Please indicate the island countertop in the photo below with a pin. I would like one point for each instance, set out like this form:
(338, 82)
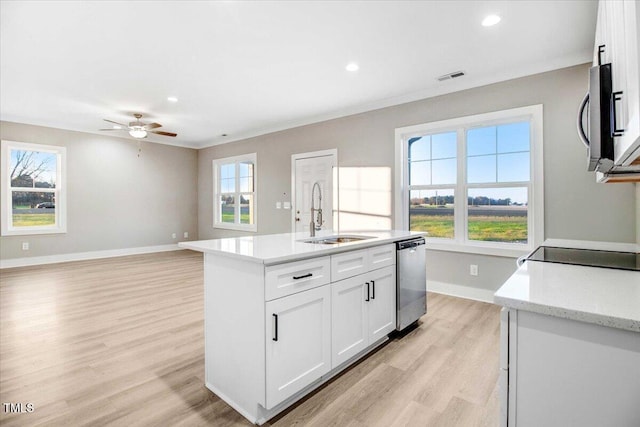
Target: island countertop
(278, 248)
(597, 295)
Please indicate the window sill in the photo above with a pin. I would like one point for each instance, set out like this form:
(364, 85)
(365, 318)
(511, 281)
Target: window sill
(505, 250)
(33, 231)
(237, 227)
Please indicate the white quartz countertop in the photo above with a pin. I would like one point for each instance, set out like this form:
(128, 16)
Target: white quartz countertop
(277, 248)
(597, 295)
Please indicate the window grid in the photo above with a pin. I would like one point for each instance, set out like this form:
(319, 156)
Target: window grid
(462, 187)
(33, 169)
(235, 182)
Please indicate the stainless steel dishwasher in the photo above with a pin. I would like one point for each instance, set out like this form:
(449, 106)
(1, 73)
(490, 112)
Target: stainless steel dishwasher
(411, 275)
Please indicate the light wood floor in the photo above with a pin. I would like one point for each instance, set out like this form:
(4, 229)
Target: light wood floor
(120, 342)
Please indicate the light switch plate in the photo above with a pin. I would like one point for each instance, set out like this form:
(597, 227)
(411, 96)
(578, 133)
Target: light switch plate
(278, 205)
(287, 205)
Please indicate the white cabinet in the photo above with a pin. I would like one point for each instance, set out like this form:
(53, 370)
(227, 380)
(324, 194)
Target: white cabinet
(298, 342)
(363, 312)
(286, 279)
(562, 372)
(352, 263)
(382, 306)
(381, 256)
(349, 327)
(275, 332)
(349, 264)
(363, 293)
(617, 30)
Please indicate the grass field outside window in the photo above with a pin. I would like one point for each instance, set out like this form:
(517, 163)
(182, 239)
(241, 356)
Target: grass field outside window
(474, 183)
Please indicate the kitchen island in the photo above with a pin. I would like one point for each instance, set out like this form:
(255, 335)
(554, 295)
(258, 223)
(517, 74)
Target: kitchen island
(570, 347)
(286, 312)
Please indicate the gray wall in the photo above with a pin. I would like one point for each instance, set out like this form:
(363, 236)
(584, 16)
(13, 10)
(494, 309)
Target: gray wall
(638, 213)
(575, 206)
(115, 199)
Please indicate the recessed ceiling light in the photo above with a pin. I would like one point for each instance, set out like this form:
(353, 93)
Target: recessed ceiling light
(352, 67)
(172, 99)
(490, 20)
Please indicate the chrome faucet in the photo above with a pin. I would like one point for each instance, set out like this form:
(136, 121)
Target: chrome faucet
(313, 226)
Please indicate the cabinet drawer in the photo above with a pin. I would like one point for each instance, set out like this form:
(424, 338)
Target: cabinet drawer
(349, 264)
(292, 277)
(382, 256)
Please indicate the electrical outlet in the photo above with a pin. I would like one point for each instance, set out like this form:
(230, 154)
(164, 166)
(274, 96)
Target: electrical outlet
(186, 234)
(25, 246)
(174, 235)
(473, 269)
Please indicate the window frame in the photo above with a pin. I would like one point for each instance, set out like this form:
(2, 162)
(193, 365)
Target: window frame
(535, 185)
(217, 217)
(6, 216)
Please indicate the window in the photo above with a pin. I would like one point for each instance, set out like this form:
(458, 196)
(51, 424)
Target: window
(474, 184)
(33, 189)
(234, 180)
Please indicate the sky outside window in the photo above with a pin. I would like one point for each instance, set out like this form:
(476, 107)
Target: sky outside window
(498, 153)
(40, 167)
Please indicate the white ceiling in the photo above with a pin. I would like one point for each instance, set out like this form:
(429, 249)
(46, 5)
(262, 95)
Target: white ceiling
(249, 68)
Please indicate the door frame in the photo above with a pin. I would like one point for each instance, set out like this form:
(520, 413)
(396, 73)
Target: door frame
(333, 152)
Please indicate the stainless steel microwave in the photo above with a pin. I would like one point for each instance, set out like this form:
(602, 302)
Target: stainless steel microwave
(600, 129)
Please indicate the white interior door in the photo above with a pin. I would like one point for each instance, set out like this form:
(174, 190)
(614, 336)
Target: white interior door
(307, 171)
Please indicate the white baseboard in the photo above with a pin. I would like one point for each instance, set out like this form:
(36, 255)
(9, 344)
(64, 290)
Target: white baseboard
(83, 256)
(477, 294)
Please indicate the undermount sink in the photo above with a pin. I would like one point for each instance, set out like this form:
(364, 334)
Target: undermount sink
(332, 240)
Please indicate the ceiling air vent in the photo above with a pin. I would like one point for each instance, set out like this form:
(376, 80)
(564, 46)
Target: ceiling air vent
(451, 76)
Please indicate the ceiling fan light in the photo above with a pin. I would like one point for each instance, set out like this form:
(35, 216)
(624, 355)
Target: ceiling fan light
(138, 132)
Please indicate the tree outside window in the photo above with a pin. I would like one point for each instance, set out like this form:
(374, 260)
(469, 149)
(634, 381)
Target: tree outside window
(32, 190)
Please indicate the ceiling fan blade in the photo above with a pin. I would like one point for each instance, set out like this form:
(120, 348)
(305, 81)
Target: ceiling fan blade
(111, 129)
(119, 124)
(153, 126)
(159, 132)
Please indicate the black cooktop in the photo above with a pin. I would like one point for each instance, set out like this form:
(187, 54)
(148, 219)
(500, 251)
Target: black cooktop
(587, 257)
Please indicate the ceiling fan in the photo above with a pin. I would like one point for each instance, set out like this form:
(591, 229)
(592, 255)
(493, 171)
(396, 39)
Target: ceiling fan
(138, 129)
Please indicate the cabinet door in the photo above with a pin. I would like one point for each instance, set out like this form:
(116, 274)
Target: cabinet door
(382, 304)
(348, 319)
(601, 36)
(298, 342)
(617, 30)
(627, 64)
